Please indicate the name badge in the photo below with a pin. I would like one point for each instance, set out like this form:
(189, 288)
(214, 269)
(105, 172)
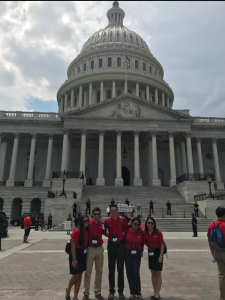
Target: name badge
(85, 250)
(133, 250)
(103, 227)
(94, 240)
(114, 238)
(150, 252)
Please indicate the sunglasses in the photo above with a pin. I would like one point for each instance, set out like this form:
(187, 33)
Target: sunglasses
(96, 214)
(150, 223)
(113, 210)
(85, 221)
(136, 224)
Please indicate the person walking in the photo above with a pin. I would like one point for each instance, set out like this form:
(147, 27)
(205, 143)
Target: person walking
(168, 204)
(1, 225)
(194, 225)
(49, 221)
(95, 255)
(151, 206)
(70, 220)
(139, 211)
(132, 210)
(134, 243)
(77, 256)
(127, 202)
(75, 209)
(88, 206)
(115, 226)
(155, 243)
(27, 225)
(218, 254)
(37, 220)
(196, 206)
(112, 201)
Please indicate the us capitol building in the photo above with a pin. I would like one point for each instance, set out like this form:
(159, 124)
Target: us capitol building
(108, 131)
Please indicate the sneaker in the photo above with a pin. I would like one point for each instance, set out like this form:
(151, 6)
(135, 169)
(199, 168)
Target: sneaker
(121, 296)
(86, 297)
(111, 296)
(99, 296)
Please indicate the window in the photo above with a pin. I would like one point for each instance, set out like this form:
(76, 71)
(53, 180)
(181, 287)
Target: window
(155, 72)
(118, 62)
(131, 37)
(109, 62)
(104, 36)
(118, 34)
(137, 40)
(78, 69)
(85, 67)
(125, 35)
(100, 63)
(136, 64)
(92, 64)
(82, 100)
(150, 69)
(76, 101)
(98, 96)
(129, 92)
(109, 94)
(140, 94)
(118, 92)
(144, 67)
(115, 17)
(145, 96)
(111, 35)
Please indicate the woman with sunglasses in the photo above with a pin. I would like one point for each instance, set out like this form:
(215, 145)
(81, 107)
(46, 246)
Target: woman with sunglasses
(155, 243)
(134, 242)
(77, 257)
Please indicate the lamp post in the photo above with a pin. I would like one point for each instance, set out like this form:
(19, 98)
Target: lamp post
(64, 174)
(209, 179)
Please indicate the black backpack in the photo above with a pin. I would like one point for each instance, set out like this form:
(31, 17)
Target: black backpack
(216, 238)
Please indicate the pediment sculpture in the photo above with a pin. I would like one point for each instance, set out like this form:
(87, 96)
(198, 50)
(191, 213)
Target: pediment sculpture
(126, 110)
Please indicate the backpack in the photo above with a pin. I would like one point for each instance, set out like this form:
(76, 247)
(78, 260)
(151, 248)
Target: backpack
(216, 239)
(121, 219)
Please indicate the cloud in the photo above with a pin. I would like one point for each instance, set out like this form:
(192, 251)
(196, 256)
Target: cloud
(39, 40)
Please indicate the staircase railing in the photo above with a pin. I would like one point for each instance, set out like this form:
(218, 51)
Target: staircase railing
(69, 174)
(193, 177)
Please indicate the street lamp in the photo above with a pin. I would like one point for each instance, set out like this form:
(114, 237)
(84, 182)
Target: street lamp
(209, 179)
(64, 173)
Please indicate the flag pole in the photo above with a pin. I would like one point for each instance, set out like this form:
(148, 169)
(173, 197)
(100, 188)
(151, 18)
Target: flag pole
(126, 73)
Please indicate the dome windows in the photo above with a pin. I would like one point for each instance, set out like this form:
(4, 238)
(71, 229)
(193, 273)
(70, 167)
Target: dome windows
(129, 92)
(144, 67)
(109, 62)
(137, 40)
(131, 37)
(150, 69)
(85, 67)
(98, 96)
(125, 35)
(118, 62)
(76, 101)
(104, 36)
(109, 94)
(78, 69)
(92, 65)
(115, 17)
(136, 64)
(111, 35)
(118, 34)
(100, 63)
(118, 93)
(82, 100)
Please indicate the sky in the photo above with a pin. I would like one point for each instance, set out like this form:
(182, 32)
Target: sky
(38, 40)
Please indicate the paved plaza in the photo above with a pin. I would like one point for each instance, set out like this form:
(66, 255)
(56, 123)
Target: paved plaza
(39, 270)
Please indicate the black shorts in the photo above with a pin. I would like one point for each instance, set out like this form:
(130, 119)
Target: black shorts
(27, 231)
(153, 261)
(81, 260)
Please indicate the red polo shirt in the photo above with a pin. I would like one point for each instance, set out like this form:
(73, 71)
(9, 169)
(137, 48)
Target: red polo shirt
(222, 227)
(154, 240)
(95, 230)
(27, 222)
(76, 235)
(134, 239)
(115, 227)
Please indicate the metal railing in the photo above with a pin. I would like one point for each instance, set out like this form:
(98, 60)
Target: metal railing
(2, 183)
(31, 115)
(58, 174)
(219, 197)
(18, 183)
(193, 177)
(200, 197)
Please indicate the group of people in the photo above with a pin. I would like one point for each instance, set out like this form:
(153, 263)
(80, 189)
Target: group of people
(125, 245)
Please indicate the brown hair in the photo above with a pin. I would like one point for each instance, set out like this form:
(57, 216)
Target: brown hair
(155, 230)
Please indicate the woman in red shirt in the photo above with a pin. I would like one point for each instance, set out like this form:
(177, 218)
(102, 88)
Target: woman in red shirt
(155, 243)
(134, 243)
(77, 257)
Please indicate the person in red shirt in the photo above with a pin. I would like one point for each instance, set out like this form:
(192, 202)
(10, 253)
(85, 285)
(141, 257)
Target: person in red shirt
(219, 255)
(95, 254)
(134, 243)
(116, 227)
(27, 224)
(77, 257)
(155, 243)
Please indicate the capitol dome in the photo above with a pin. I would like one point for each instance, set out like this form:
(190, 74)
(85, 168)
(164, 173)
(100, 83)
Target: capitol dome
(98, 72)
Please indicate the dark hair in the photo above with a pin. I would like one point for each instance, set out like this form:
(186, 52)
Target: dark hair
(113, 205)
(220, 211)
(149, 216)
(135, 219)
(192, 215)
(96, 209)
(81, 228)
(155, 230)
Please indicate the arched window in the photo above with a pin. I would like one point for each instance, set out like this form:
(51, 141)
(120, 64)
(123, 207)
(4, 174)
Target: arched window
(118, 34)
(109, 94)
(100, 63)
(118, 92)
(78, 69)
(136, 64)
(144, 67)
(85, 67)
(115, 17)
(150, 69)
(109, 62)
(131, 37)
(111, 35)
(137, 40)
(98, 96)
(92, 64)
(125, 35)
(82, 100)
(118, 62)
(129, 92)
(76, 101)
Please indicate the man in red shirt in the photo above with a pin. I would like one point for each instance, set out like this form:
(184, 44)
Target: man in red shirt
(219, 255)
(27, 224)
(116, 226)
(95, 254)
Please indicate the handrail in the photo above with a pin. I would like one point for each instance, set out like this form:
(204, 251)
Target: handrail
(193, 177)
(69, 174)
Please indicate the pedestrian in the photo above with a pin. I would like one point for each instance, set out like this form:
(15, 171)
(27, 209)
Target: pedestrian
(127, 202)
(132, 210)
(218, 254)
(88, 206)
(194, 225)
(139, 211)
(27, 225)
(196, 206)
(124, 215)
(108, 210)
(70, 220)
(77, 256)
(155, 243)
(116, 225)
(1, 225)
(168, 204)
(77, 219)
(95, 255)
(49, 221)
(151, 206)
(120, 205)
(75, 209)
(112, 201)
(37, 220)
(134, 243)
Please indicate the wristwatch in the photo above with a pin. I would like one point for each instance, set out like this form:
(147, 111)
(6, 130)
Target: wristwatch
(161, 256)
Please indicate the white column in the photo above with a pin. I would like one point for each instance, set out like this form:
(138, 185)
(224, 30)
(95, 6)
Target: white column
(83, 151)
(101, 179)
(101, 91)
(168, 102)
(147, 92)
(163, 99)
(155, 176)
(29, 181)
(150, 159)
(137, 179)
(10, 181)
(80, 96)
(216, 160)
(172, 181)
(178, 159)
(156, 96)
(72, 98)
(189, 153)
(113, 89)
(64, 149)
(66, 99)
(119, 179)
(183, 156)
(137, 89)
(47, 181)
(61, 105)
(1, 136)
(199, 152)
(90, 93)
